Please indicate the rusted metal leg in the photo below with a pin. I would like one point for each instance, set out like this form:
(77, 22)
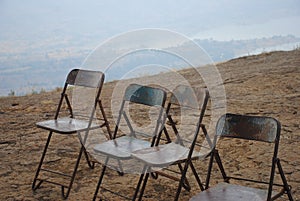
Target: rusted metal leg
(66, 194)
(197, 177)
(34, 187)
(90, 163)
(186, 185)
(221, 167)
(100, 179)
(144, 184)
(287, 188)
(139, 183)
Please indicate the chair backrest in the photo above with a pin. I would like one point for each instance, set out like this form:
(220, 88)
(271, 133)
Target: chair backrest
(87, 86)
(187, 96)
(87, 78)
(266, 129)
(147, 97)
(246, 127)
(193, 102)
(190, 97)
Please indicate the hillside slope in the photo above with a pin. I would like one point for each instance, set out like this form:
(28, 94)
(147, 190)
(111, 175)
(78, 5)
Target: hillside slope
(265, 84)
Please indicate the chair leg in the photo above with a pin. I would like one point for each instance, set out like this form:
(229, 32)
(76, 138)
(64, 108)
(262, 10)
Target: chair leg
(210, 164)
(82, 141)
(100, 179)
(197, 177)
(139, 183)
(285, 184)
(138, 187)
(144, 186)
(90, 163)
(186, 185)
(65, 195)
(34, 186)
(183, 178)
(221, 167)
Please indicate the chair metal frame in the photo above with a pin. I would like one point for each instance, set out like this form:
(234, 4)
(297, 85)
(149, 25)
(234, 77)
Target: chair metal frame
(134, 94)
(246, 127)
(181, 97)
(71, 125)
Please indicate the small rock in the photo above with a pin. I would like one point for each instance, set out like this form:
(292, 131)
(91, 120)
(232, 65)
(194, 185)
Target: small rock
(46, 115)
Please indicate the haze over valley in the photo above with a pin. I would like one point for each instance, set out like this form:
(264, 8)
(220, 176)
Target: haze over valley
(42, 40)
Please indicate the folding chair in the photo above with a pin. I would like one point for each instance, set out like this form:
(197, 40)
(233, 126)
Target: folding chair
(86, 85)
(180, 152)
(136, 100)
(265, 130)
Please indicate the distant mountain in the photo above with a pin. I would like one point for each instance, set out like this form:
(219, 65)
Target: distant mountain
(43, 67)
(225, 50)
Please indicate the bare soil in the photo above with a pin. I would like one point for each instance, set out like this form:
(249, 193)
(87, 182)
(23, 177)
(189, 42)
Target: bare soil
(267, 84)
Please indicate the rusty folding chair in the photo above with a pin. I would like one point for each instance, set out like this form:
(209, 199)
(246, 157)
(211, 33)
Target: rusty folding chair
(85, 89)
(187, 146)
(264, 130)
(134, 130)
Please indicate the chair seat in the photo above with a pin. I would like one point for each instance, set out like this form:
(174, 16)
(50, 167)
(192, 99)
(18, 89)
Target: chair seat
(122, 147)
(231, 192)
(162, 155)
(66, 125)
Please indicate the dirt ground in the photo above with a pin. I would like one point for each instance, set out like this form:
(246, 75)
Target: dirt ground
(266, 84)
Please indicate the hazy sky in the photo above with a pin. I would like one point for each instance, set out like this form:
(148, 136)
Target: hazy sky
(34, 30)
(218, 19)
